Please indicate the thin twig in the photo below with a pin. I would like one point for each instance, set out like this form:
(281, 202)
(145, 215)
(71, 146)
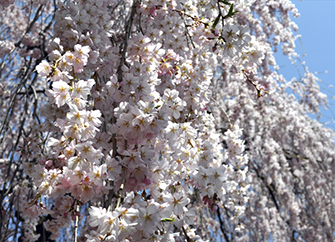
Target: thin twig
(231, 125)
(220, 14)
(187, 34)
(76, 225)
(36, 17)
(222, 225)
(123, 48)
(119, 197)
(182, 12)
(259, 94)
(114, 155)
(110, 195)
(185, 233)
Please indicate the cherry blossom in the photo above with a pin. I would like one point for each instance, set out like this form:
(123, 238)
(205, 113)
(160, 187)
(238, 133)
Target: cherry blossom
(163, 120)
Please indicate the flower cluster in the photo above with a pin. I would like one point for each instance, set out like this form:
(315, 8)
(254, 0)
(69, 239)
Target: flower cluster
(6, 3)
(151, 111)
(158, 120)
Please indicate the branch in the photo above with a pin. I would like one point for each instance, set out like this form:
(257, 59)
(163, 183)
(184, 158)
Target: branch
(17, 44)
(124, 44)
(225, 113)
(187, 34)
(188, 239)
(222, 225)
(270, 189)
(76, 225)
(119, 197)
(114, 155)
(33, 21)
(259, 90)
(32, 91)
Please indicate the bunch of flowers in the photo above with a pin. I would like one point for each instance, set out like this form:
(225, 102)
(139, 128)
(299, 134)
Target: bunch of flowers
(160, 120)
(141, 132)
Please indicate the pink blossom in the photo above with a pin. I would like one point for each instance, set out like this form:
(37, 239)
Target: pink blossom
(44, 68)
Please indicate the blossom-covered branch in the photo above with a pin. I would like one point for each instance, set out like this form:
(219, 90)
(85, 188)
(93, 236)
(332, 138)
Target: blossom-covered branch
(138, 121)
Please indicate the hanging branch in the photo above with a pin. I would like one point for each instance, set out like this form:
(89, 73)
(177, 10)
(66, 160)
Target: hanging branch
(124, 44)
(225, 113)
(188, 239)
(76, 224)
(119, 197)
(222, 225)
(259, 90)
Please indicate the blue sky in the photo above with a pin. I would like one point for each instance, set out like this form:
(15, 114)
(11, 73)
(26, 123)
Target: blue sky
(317, 29)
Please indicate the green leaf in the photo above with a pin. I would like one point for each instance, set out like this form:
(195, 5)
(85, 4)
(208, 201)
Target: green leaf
(231, 12)
(231, 9)
(224, 2)
(168, 220)
(216, 21)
